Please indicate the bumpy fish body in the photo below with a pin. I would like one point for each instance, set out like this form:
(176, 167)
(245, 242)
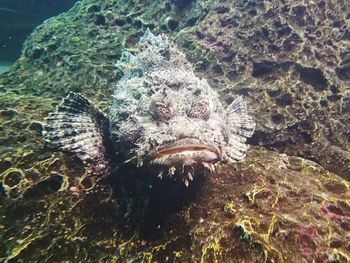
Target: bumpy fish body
(162, 116)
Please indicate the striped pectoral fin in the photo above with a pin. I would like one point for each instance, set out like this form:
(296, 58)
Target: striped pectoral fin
(239, 121)
(79, 127)
(241, 126)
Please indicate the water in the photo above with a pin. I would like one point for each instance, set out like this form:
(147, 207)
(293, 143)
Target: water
(18, 19)
(287, 200)
(5, 66)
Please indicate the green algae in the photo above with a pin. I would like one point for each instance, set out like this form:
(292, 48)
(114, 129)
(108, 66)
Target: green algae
(219, 223)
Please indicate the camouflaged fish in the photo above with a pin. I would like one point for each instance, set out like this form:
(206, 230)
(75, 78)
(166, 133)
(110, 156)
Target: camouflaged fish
(161, 116)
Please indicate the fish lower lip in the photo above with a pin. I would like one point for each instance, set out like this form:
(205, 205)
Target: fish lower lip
(185, 151)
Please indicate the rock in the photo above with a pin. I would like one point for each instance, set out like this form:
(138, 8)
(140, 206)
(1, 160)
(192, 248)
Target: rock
(288, 59)
(271, 206)
(18, 19)
(282, 56)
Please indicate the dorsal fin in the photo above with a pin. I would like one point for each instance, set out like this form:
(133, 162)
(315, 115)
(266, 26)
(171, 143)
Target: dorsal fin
(79, 127)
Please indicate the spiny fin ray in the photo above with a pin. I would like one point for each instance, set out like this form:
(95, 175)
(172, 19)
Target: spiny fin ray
(78, 126)
(239, 120)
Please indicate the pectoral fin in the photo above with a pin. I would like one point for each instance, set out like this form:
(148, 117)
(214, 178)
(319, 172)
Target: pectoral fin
(239, 121)
(79, 127)
(241, 127)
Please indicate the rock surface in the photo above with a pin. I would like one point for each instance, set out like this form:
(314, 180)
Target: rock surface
(289, 60)
(267, 208)
(18, 19)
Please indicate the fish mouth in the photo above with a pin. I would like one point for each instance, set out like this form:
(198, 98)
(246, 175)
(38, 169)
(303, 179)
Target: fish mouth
(187, 151)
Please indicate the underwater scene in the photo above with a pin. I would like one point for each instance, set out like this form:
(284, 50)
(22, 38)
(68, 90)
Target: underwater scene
(175, 131)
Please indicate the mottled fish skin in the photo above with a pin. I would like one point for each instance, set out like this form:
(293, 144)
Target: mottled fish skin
(161, 100)
(162, 115)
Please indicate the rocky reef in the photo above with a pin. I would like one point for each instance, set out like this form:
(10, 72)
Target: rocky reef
(19, 18)
(268, 208)
(290, 61)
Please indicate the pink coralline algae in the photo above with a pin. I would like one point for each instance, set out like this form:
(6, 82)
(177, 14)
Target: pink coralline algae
(308, 244)
(334, 213)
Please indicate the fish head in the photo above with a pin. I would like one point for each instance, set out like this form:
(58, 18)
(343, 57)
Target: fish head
(165, 116)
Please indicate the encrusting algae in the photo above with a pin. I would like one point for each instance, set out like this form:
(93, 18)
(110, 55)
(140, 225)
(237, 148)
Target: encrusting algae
(289, 62)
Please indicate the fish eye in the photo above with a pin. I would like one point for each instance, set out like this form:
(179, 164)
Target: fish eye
(161, 110)
(200, 109)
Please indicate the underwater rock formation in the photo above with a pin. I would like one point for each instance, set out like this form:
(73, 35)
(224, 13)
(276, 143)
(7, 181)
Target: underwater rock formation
(273, 207)
(290, 61)
(19, 18)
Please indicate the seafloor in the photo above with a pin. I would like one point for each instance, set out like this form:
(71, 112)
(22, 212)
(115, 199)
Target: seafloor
(288, 201)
